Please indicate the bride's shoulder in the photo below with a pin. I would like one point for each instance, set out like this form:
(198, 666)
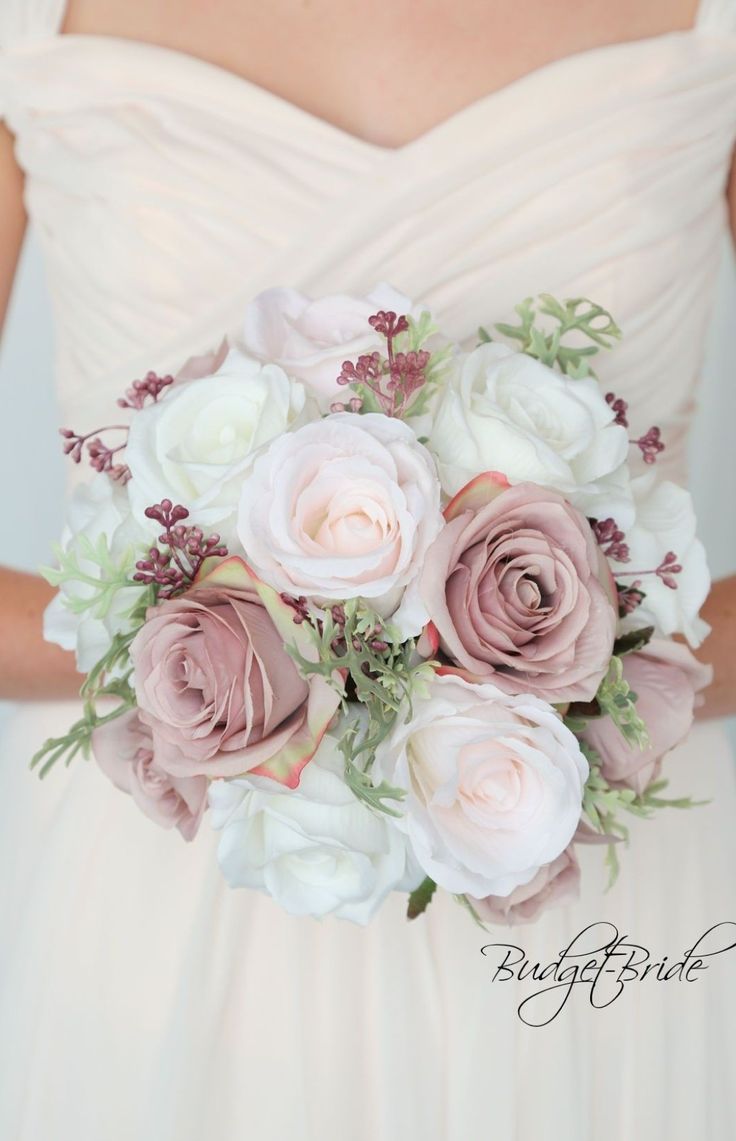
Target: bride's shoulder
(27, 19)
(717, 15)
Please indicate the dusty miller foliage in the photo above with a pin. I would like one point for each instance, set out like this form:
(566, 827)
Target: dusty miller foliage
(585, 320)
(364, 659)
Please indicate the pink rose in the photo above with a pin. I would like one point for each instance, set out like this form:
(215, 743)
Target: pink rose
(666, 678)
(123, 749)
(554, 884)
(207, 364)
(311, 339)
(217, 686)
(514, 586)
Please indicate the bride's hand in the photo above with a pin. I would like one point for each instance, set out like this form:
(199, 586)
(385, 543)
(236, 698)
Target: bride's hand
(718, 649)
(30, 668)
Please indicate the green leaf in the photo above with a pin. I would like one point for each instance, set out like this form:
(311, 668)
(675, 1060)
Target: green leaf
(384, 681)
(577, 316)
(602, 804)
(632, 641)
(420, 898)
(464, 901)
(101, 584)
(616, 699)
(108, 678)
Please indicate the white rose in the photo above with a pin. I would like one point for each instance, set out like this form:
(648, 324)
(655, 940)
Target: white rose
(494, 783)
(96, 508)
(665, 523)
(342, 508)
(505, 411)
(195, 444)
(316, 848)
(310, 340)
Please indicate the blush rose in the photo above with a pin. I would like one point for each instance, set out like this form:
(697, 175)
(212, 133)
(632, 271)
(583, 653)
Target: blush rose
(342, 508)
(494, 784)
(310, 340)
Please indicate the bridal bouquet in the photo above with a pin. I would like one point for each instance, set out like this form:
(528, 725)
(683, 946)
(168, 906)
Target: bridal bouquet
(398, 613)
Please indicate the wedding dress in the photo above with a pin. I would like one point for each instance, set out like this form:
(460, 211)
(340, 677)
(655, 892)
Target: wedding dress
(140, 999)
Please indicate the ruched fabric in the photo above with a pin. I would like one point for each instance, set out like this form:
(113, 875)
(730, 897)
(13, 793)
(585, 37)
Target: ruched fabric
(139, 997)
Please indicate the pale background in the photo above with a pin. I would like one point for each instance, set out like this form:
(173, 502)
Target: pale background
(32, 468)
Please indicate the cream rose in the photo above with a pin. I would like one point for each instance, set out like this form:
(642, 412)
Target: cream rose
(665, 524)
(505, 411)
(342, 508)
(316, 848)
(196, 443)
(97, 510)
(494, 785)
(311, 339)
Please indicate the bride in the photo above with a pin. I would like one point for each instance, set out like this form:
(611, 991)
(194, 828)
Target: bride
(177, 158)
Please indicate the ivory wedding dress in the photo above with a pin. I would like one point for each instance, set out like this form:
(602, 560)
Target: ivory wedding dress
(141, 999)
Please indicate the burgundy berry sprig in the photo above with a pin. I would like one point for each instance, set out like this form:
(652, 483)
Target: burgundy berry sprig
(371, 639)
(667, 571)
(611, 539)
(394, 379)
(150, 388)
(629, 597)
(650, 444)
(620, 407)
(185, 549)
(101, 456)
(612, 542)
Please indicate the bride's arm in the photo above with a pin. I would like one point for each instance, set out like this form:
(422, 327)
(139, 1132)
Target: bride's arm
(29, 667)
(720, 607)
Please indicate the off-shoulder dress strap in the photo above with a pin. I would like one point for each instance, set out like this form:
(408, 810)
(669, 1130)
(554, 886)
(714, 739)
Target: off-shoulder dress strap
(23, 20)
(717, 16)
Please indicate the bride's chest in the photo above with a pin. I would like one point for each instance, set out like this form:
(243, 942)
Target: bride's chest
(385, 72)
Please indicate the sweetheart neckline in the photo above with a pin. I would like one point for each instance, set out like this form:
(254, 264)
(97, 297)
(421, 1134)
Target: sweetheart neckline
(348, 138)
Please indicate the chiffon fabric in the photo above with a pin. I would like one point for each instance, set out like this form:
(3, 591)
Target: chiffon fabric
(139, 997)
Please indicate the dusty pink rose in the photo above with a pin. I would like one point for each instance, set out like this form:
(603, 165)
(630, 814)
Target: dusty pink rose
(666, 679)
(217, 687)
(123, 749)
(311, 339)
(514, 587)
(205, 365)
(554, 884)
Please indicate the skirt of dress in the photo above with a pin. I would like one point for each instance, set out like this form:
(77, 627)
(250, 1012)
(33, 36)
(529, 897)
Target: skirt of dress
(142, 1000)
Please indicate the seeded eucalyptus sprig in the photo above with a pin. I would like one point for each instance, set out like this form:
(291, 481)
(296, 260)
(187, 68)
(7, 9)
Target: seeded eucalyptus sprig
(375, 669)
(616, 698)
(109, 678)
(401, 382)
(576, 315)
(603, 802)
